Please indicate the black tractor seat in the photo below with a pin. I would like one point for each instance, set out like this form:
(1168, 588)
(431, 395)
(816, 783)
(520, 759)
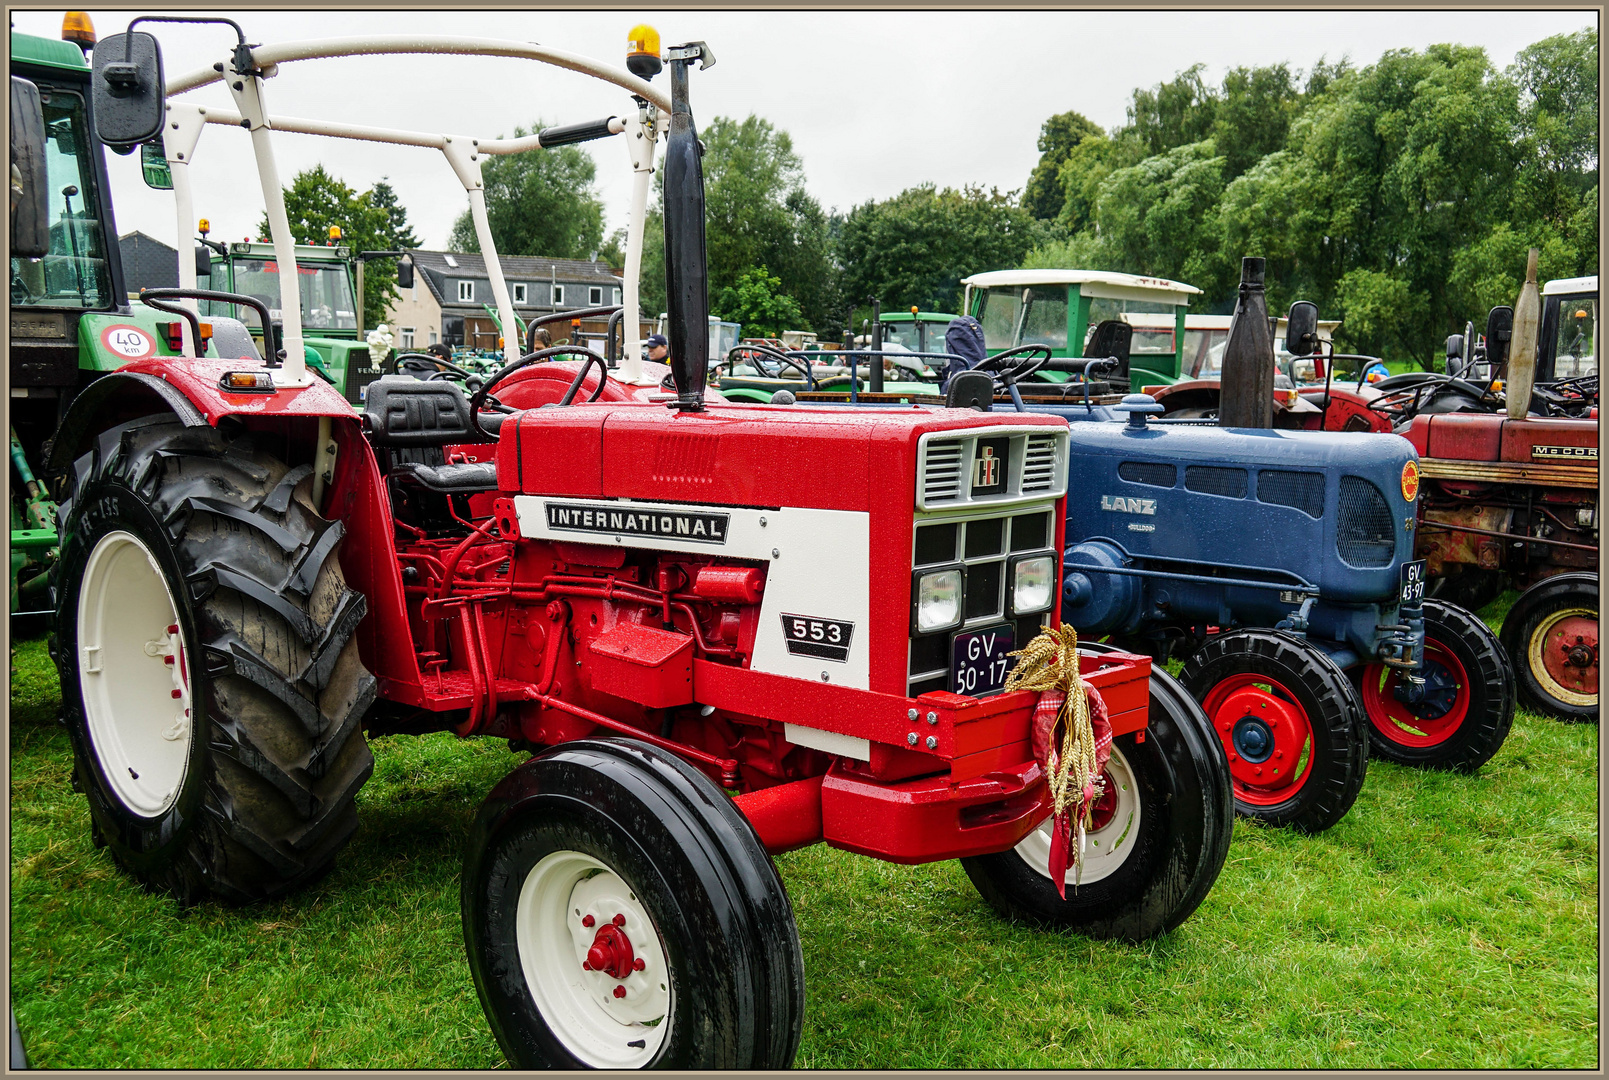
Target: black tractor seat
(469, 478)
(400, 411)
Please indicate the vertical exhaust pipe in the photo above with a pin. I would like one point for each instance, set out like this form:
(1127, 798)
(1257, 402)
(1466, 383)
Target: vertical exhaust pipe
(686, 269)
(1246, 387)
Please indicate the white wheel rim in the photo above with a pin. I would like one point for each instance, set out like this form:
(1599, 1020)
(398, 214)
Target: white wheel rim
(561, 894)
(1105, 849)
(133, 673)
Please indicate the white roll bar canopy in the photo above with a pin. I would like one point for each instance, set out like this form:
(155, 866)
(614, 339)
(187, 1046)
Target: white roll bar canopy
(186, 121)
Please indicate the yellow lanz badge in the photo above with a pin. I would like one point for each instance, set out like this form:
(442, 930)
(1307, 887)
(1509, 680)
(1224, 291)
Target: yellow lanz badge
(1410, 480)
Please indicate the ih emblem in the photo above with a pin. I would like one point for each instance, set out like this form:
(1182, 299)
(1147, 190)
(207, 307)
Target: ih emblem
(988, 474)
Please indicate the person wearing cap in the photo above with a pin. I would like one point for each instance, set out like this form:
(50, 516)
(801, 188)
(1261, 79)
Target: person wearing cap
(658, 349)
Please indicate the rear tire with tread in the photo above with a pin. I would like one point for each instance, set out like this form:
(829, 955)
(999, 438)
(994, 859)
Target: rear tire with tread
(278, 691)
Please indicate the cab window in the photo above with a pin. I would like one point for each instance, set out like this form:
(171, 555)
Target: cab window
(74, 273)
(1576, 353)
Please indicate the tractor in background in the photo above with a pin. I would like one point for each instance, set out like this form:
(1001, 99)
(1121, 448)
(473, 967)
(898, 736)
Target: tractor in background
(254, 578)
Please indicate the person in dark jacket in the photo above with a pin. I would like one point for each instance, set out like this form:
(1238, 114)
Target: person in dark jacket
(963, 338)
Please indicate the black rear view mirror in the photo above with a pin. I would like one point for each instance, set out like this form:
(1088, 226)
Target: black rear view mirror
(126, 90)
(1499, 330)
(404, 273)
(203, 261)
(30, 215)
(154, 168)
(1301, 328)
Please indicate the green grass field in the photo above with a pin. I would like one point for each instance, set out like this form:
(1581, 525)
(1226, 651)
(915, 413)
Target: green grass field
(1447, 922)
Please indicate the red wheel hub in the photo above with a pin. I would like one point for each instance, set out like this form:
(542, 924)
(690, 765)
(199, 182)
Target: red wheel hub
(1441, 705)
(1266, 734)
(611, 951)
(1570, 653)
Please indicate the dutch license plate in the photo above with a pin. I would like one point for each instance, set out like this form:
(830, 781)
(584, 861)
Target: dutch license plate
(1413, 582)
(978, 660)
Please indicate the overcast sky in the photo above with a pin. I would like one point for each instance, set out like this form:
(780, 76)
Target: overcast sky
(875, 101)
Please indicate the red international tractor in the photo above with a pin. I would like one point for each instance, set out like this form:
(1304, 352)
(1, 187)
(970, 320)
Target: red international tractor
(711, 662)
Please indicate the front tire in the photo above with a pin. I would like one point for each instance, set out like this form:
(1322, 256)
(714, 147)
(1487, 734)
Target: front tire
(1290, 723)
(670, 875)
(211, 683)
(1551, 635)
(1161, 834)
(1458, 718)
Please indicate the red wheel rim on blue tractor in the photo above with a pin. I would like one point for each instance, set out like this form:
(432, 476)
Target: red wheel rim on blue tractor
(1432, 714)
(1266, 734)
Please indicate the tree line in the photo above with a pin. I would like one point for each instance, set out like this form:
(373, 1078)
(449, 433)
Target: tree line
(1401, 197)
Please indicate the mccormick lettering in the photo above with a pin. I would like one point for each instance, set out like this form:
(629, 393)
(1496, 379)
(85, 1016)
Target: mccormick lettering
(1577, 453)
(690, 525)
(1128, 506)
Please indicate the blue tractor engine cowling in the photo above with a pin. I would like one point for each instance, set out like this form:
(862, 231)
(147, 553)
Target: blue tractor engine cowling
(1185, 526)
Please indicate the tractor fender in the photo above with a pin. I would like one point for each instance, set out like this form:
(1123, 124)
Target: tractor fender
(112, 399)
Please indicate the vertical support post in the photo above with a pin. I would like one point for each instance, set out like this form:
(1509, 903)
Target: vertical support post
(180, 134)
(686, 271)
(359, 275)
(463, 155)
(640, 144)
(874, 379)
(246, 86)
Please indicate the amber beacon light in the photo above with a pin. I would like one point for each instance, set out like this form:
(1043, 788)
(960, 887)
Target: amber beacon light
(642, 52)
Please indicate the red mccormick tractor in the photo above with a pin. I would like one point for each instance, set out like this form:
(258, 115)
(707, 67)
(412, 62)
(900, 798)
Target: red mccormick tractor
(713, 663)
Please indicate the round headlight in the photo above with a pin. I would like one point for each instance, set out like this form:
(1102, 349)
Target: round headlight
(938, 600)
(1033, 583)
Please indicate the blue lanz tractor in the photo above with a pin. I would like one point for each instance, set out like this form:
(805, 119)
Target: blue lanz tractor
(1278, 564)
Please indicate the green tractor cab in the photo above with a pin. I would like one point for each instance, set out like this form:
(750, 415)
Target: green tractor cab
(334, 343)
(1060, 309)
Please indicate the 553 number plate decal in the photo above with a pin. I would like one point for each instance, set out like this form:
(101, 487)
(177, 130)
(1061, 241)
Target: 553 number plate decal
(824, 639)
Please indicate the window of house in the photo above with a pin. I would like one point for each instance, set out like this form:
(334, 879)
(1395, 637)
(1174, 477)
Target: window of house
(616, 300)
(466, 291)
(519, 295)
(558, 294)
(595, 295)
(433, 337)
(407, 337)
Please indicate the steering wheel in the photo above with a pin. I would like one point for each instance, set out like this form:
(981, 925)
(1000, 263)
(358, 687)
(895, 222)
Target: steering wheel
(777, 356)
(1409, 401)
(479, 398)
(1005, 374)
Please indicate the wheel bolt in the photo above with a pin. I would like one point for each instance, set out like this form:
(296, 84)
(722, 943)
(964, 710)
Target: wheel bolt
(1279, 753)
(1234, 757)
(620, 991)
(619, 920)
(178, 693)
(173, 629)
(167, 659)
(587, 920)
(585, 966)
(1258, 770)
(637, 964)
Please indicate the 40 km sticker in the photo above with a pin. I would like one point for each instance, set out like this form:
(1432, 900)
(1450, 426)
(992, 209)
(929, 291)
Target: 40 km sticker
(1410, 480)
(129, 342)
(824, 639)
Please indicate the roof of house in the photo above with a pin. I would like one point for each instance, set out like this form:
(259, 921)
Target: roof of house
(440, 265)
(148, 263)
